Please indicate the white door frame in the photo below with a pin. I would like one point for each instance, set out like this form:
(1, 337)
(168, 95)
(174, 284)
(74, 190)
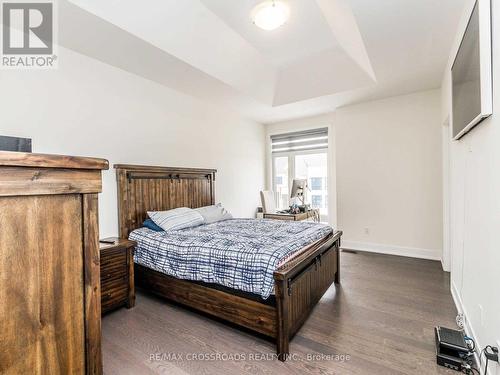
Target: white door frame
(446, 139)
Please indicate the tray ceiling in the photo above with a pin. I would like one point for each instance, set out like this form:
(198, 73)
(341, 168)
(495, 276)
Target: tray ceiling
(329, 53)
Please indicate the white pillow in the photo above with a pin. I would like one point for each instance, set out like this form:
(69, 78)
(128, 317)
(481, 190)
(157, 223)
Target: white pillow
(212, 214)
(178, 218)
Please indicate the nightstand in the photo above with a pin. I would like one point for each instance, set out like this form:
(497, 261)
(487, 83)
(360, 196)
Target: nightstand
(117, 274)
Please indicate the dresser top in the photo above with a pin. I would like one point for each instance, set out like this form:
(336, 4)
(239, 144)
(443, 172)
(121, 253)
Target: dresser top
(116, 242)
(25, 159)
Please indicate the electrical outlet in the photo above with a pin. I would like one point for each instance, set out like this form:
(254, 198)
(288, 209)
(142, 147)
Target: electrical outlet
(367, 230)
(481, 315)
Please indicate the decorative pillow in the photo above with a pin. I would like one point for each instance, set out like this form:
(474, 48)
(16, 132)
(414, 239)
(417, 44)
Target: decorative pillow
(148, 223)
(178, 218)
(212, 214)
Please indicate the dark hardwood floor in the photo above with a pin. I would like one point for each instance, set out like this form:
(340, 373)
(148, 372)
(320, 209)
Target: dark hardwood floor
(381, 317)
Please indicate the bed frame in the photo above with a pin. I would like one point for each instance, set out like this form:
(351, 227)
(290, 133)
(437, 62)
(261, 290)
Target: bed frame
(299, 283)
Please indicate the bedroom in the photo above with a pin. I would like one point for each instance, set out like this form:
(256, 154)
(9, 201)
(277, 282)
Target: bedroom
(199, 85)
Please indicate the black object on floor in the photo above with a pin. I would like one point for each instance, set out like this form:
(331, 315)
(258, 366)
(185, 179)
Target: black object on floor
(451, 348)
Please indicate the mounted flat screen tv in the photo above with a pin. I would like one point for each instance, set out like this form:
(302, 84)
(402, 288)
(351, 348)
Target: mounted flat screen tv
(471, 73)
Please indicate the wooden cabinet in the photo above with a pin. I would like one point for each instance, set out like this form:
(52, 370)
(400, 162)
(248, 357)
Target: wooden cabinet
(49, 264)
(117, 274)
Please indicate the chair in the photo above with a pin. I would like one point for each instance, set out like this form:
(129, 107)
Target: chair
(268, 202)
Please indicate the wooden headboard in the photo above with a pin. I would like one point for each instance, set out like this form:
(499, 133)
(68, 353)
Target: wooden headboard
(147, 188)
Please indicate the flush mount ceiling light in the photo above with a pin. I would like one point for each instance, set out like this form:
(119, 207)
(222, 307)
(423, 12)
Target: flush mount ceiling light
(270, 15)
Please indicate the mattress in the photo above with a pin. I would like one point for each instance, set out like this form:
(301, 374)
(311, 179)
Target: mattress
(240, 254)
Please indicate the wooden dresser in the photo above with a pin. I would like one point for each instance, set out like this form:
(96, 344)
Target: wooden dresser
(50, 310)
(117, 274)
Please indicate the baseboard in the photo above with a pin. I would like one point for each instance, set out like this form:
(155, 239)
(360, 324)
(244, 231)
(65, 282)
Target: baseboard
(393, 250)
(469, 331)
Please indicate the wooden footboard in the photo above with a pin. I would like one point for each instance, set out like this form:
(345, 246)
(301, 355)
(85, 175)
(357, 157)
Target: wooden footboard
(300, 284)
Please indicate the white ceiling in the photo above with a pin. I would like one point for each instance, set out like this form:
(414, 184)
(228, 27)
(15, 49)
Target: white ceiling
(330, 53)
(305, 33)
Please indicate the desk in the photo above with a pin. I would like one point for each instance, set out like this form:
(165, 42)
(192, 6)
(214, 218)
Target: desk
(311, 214)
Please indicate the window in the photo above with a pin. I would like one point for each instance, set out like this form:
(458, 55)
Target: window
(301, 155)
(313, 167)
(317, 201)
(316, 183)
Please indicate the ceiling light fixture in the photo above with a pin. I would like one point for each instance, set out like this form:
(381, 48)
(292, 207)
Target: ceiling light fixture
(270, 15)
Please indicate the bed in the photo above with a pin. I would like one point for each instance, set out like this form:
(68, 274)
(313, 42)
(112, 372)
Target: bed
(275, 289)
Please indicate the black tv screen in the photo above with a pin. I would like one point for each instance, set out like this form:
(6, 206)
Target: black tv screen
(471, 73)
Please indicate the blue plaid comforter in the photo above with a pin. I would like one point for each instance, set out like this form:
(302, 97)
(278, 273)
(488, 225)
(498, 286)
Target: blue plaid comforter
(238, 253)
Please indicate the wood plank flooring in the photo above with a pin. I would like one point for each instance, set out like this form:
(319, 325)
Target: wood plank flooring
(382, 316)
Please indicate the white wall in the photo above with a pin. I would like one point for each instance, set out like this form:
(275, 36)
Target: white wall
(314, 122)
(88, 108)
(385, 173)
(389, 177)
(474, 216)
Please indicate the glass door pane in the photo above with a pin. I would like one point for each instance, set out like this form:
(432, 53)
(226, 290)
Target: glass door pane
(314, 168)
(280, 183)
